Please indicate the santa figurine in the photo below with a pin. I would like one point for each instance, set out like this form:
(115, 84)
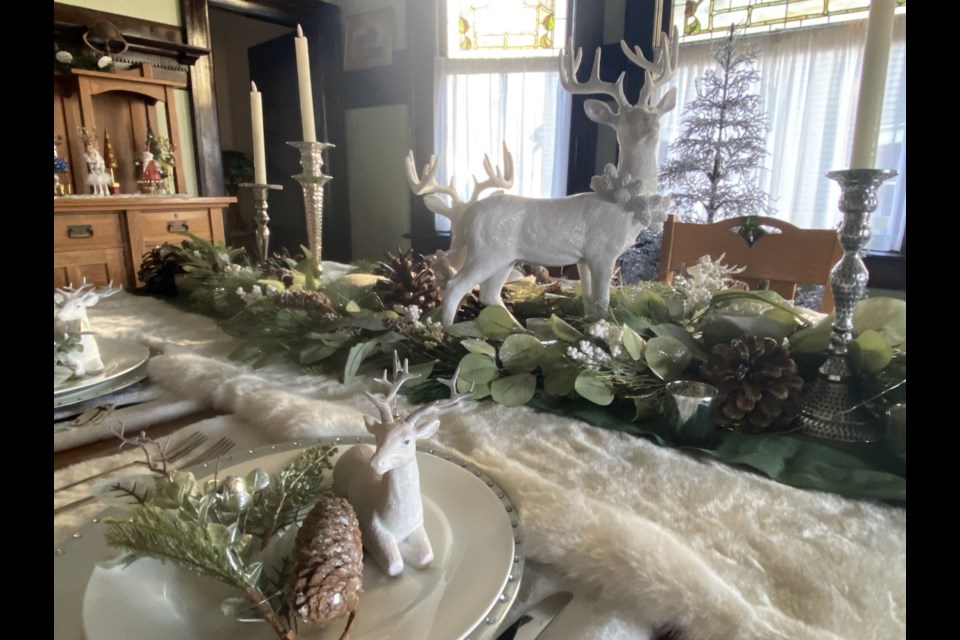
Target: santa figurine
(150, 176)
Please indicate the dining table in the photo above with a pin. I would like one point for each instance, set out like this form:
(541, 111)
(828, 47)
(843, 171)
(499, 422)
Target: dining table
(649, 539)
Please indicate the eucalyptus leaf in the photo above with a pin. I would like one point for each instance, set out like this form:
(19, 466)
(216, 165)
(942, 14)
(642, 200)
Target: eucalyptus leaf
(478, 368)
(787, 319)
(677, 332)
(870, 352)
(560, 381)
(468, 329)
(722, 329)
(245, 352)
(883, 314)
(496, 323)
(352, 307)
(474, 345)
(358, 353)
(589, 385)
(541, 328)
(633, 343)
(555, 357)
(316, 353)
(521, 353)
(515, 390)
(814, 338)
(257, 480)
(564, 330)
(667, 357)
(423, 369)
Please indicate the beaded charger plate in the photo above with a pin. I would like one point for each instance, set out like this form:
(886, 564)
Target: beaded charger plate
(465, 594)
(124, 361)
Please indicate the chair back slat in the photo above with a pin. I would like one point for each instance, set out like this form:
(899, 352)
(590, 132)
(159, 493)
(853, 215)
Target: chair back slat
(792, 256)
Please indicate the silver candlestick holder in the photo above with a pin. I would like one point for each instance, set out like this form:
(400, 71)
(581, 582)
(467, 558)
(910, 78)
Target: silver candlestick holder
(260, 192)
(312, 179)
(831, 408)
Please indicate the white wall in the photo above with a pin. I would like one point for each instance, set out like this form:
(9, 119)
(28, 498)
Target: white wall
(167, 12)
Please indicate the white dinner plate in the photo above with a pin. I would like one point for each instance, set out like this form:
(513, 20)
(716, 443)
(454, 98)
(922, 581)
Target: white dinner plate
(464, 594)
(119, 357)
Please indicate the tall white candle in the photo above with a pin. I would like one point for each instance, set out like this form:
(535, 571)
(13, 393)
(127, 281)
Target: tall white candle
(306, 88)
(873, 80)
(259, 148)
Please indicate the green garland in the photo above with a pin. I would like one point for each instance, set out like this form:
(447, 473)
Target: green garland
(611, 373)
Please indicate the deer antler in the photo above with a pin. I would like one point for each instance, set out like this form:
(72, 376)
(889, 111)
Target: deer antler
(495, 179)
(386, 404)
(429, 184)
(658, 72)
(85, 290)
(568, 77)
(455, 398)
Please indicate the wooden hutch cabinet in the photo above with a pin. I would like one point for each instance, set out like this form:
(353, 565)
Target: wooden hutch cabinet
(103, 238)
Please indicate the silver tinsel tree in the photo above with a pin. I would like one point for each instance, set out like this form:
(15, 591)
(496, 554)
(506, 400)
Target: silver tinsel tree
(713, 165)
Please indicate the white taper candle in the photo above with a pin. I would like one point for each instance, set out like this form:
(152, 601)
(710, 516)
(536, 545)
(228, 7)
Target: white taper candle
(259, 148)
(306, 88)
(873, 80)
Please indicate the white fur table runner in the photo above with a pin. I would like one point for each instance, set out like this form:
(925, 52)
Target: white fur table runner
(645, 536)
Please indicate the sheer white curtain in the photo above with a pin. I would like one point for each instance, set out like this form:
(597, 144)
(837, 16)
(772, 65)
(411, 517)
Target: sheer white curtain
(809, 80)
(482, 102)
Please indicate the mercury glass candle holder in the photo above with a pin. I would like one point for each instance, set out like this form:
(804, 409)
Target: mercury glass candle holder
(831, 407)
(312, 179)
(260, 193)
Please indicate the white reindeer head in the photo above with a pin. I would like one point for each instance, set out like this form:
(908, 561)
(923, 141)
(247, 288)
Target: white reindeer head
(637, 125)
(71, 303)
(397, 436)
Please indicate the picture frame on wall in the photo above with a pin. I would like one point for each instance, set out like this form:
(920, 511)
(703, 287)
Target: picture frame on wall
(368, 39)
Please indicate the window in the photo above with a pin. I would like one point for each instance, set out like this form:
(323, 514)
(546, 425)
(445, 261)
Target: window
(499, 81)
(809, 79)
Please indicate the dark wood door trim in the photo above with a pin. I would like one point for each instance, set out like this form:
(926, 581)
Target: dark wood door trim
(203, 100)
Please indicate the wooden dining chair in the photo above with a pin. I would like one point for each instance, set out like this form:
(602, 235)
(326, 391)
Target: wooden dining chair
(783, 257)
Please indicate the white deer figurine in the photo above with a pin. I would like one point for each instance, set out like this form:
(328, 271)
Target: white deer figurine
(70, 315)
(591, 229)
(382, 483)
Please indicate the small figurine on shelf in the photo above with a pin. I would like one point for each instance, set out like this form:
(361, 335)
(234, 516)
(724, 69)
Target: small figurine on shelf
(150, 176)
(110, 159)
(382, 482)
(61, 186)
(162, 150)
(97, 176)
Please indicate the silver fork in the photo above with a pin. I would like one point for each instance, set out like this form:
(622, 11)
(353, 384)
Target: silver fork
(217, 449)
(181, 449)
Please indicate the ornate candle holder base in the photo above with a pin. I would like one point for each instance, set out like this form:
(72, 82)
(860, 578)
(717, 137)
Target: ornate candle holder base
(312, 179)
(260, 193)
(831, 408)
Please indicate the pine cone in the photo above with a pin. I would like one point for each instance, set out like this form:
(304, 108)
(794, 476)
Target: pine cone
(410, 281)
(159, 266)
(328, 565)
(758, 389)
(309, 300)
(471, 306)
(277, 266)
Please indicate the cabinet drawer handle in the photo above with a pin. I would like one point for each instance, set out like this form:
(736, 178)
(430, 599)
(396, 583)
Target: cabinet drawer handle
(177, 226)
(78, 231)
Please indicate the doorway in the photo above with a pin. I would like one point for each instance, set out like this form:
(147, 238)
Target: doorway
(256, 45)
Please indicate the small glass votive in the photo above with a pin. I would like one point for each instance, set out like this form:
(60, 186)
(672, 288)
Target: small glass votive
(689, 410)
(897, 429)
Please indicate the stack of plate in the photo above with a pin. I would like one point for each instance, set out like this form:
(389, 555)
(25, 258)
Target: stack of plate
(125, 363)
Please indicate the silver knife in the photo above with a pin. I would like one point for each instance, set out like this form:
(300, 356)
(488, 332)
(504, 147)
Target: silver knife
(537, 618)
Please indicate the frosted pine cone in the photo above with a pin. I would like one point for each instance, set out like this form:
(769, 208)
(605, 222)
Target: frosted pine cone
(310, 300)
(328, 565)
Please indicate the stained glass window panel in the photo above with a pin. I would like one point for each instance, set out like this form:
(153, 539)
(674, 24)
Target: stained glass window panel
(704, 19)
(505, 28)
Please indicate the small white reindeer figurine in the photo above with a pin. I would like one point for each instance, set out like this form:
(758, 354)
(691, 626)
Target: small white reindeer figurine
(382, 483)
(590, 229)
(70, 314)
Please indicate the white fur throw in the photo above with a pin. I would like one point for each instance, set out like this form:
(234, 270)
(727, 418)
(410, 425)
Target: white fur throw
(645, 535)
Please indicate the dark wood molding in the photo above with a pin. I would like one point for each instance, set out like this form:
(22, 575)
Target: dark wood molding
(203, 100)
(422, 48)
(143, 36)
(587, 34)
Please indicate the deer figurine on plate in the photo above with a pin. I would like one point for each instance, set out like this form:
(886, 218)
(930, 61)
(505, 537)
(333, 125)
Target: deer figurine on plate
(590, 229)
(382, 482)
(70, 316)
